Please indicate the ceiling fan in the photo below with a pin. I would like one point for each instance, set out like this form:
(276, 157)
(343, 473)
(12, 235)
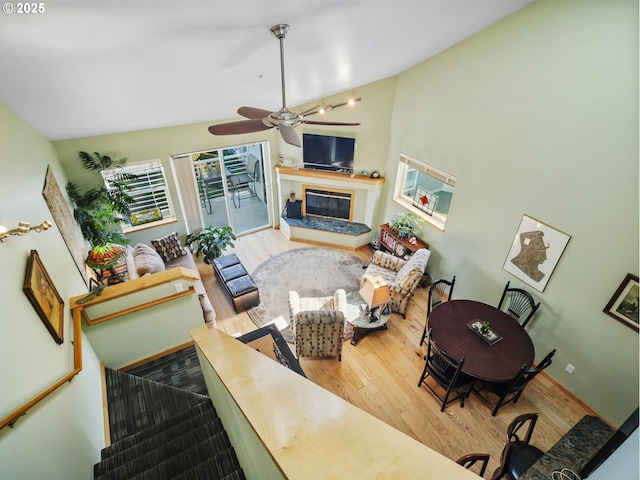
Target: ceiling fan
(284, 119)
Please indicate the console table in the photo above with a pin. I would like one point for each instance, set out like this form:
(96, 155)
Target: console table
(573, 450)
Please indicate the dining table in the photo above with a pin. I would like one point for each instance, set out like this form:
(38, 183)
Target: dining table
(497, 359)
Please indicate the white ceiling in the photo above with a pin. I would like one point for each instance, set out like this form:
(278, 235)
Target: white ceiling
(85, 68)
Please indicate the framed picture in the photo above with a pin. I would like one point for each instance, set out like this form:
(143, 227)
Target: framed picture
(65, 222)
(623, 305)
(44, 297)
(534, 252)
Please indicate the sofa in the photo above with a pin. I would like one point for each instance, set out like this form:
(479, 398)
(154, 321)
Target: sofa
(167, 252)
(402, 276)
(318, 324)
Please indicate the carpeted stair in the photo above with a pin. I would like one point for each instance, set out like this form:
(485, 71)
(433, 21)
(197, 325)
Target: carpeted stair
(161, 432)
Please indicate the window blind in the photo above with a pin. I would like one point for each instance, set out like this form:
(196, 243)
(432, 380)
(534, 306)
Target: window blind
(145, 185)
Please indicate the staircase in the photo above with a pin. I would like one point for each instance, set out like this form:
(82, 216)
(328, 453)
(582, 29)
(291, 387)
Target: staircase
(162, 432)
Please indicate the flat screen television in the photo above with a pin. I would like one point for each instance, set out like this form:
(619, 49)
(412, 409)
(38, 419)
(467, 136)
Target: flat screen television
(326, 152)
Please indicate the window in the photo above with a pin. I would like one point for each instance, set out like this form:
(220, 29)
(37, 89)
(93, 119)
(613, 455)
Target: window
(424, 190)
(146, 184)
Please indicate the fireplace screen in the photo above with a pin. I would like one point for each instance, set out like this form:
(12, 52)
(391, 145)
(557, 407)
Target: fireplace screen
(328, 203)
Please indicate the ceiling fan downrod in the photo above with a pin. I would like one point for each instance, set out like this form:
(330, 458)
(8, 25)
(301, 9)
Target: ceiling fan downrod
(280, 32)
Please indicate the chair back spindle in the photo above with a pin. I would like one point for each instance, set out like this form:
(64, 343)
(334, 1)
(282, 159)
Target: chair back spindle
(439, 291)
(521, 306)
(468, 461)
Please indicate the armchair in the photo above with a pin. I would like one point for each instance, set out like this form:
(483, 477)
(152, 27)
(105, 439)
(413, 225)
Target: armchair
(318, 324)
(402, 276)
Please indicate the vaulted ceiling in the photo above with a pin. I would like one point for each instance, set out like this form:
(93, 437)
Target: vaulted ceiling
(83, 68)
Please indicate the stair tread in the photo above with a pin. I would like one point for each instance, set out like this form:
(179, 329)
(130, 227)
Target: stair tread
(204, 470)
(163, 446)
(151, 401)
(160, 431)
(177, 464)
(189, 416)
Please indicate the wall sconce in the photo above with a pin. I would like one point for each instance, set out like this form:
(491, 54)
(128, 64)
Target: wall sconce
(23, 228)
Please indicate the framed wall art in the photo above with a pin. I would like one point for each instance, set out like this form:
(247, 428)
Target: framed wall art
(65, 222)
(44, 297)
(535, 252)
(623, 305)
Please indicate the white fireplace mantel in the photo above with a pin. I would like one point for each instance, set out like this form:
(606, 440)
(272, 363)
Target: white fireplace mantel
(366, 190)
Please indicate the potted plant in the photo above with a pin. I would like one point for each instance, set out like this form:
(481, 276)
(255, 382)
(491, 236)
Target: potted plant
(406, 224)
(211, 242)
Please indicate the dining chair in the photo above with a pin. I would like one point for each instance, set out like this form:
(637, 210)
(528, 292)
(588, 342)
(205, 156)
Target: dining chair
(446, 372)
(521, 306)
(439, 291)
(469, 460)
(509, 391)
(518, 454)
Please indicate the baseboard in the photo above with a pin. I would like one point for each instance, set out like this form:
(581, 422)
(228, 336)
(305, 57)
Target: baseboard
(575, 399)
(155, 356)
(105, 406)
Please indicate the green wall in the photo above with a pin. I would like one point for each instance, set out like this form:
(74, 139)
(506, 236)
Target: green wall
(61, 437)
(538, 115)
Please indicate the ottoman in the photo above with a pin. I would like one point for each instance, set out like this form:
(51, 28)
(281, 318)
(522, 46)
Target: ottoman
(237, 282)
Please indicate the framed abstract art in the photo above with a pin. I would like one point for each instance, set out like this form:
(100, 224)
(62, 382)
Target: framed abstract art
(535, 252)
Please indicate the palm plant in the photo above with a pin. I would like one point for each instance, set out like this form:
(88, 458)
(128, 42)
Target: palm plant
(99, 210)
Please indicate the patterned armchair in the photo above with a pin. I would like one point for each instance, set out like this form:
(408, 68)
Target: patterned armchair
(317, 324)
(402, 276)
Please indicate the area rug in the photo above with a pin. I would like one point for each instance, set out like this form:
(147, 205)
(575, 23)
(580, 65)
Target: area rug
(312, 272)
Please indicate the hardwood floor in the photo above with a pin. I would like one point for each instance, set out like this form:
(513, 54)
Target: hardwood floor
(380, 375)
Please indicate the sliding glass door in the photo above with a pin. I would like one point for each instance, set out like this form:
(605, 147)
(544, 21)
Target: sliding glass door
(229, 186)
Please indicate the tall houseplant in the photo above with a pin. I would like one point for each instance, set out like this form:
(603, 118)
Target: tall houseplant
(99, 211)
(211, 242)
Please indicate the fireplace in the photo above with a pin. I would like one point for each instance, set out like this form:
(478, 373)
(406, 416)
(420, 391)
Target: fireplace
(353, 229)
(328, 203)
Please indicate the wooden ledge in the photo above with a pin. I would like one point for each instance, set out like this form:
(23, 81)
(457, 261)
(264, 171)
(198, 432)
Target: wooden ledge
(307, 172)
(307, 431)
(136, 285)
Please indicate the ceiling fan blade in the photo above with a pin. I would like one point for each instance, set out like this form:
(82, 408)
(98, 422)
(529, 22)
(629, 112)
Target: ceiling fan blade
(251, 112)
(289, 135)
(311, 122)
(234, 128)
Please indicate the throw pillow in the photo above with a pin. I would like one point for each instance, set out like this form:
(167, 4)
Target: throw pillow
(169, 247)
(147, 259)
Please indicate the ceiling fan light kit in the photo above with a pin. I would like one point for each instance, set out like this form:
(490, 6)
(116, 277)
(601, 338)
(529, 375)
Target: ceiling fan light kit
(284, 119)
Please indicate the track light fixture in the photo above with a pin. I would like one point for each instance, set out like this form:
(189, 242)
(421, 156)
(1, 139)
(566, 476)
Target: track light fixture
(23, 228)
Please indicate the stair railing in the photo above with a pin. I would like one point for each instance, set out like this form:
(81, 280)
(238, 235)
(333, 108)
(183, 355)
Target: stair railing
(128, 303)
(13, 417)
